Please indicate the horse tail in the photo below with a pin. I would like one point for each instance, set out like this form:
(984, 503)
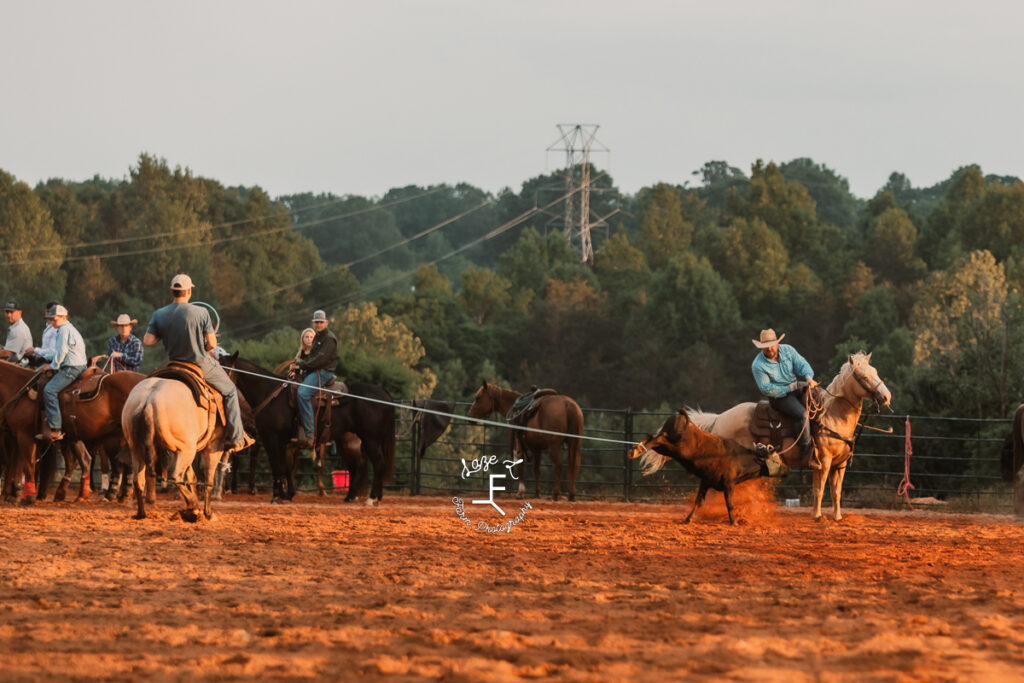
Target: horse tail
(574, 425)
(143, 435)
(387, 447)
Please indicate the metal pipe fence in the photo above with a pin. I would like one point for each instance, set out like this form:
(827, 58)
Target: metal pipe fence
(954, 459)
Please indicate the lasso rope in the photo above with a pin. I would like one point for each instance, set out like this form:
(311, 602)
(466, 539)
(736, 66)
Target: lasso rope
(905, 486)
(453, 416)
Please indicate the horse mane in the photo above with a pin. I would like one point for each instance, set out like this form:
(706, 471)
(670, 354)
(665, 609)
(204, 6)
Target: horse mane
(835, 386)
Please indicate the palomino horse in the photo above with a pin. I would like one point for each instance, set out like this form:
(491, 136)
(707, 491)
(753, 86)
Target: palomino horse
(554, 413)
(162, 414)
(857, 380)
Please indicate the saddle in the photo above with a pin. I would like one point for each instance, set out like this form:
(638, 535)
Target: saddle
(206, 397)
(526, 405)
(522, 410)
(323, 402)
(771, 426)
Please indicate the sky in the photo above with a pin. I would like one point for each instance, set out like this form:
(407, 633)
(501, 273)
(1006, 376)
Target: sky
(359, 97)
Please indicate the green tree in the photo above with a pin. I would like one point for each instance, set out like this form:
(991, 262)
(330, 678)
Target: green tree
(664, 231)
(966, 329)
(889, 248)
(32, 250)
(829, 190)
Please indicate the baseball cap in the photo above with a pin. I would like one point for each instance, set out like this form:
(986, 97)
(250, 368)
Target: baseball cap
(56, 309)
(319, 316)
(181, 281)
(12, 305)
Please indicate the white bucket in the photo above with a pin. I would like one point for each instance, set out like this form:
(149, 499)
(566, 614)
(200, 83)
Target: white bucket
(792, 502)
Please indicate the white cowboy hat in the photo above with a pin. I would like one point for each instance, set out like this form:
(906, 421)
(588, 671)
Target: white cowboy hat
(768, 338)
(123, 319)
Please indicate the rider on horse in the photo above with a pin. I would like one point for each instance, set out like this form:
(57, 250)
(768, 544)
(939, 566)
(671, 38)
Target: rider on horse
(779, 371)
(188, 335)
(69, 361)
(318, 367)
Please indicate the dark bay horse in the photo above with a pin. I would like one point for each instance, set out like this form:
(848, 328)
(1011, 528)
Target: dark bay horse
(275, 416)
(555, 413)
(1013, 461)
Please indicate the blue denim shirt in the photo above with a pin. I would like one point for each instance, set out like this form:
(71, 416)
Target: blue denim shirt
(69, 348)
(775, 379)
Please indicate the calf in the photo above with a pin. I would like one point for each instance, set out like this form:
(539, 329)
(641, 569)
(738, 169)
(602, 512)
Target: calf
(719, 463)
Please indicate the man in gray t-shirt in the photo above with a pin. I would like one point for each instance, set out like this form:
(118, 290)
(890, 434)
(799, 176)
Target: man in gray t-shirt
(188, 335)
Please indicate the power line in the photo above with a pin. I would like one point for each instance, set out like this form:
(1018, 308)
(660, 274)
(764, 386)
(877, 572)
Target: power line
(362, 291)
(343, 266)
(177, 247)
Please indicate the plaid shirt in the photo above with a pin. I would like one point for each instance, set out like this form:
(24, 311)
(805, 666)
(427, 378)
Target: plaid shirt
(132, 350)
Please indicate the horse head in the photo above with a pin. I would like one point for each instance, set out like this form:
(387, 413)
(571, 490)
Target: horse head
(869, 384)
(483, 402)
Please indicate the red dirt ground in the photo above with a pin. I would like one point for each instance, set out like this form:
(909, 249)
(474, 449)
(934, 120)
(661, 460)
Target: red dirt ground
(584, 591)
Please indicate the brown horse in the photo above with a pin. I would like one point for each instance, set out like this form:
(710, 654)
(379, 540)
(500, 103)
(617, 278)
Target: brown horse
(89, 420)
(857, 380)
(21, 418)
(719, 463)
(554, 414)
(161, 414)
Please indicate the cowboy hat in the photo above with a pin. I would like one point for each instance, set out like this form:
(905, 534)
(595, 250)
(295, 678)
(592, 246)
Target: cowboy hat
(123, 319)
(768, 338)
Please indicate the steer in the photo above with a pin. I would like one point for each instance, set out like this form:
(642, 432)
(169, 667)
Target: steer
(719, 463)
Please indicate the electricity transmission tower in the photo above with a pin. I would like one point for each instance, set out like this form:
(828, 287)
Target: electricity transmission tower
(578, 140)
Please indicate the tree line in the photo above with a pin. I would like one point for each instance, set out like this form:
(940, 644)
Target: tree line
(432, 289)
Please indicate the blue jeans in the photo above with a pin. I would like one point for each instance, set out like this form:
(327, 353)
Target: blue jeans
(218, 379)
(310, 386)
(58, 383)
(793, 406)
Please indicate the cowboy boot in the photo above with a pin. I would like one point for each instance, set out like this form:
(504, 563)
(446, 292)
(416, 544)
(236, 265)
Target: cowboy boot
(809, 457)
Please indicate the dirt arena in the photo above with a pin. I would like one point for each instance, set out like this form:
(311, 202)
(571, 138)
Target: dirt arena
(585, 591)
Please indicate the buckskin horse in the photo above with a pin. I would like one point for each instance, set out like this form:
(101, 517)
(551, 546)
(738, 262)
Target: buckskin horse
(841, 409)
(163, 413)
(275, 416)
(553, 413)
(719, 463)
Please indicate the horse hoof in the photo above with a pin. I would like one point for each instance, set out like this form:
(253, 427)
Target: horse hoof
(27, 500)
(321, 493)
(277, 501)
(139, 515)
(190, 516)
(59, 496)
(82, 499)
(819, 519)
(372, 502)
(572, 499)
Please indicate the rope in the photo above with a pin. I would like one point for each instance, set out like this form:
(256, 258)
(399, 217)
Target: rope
(450, 416)
(905, 486)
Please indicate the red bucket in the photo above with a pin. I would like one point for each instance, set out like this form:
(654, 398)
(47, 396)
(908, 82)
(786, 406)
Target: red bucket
(340, 479)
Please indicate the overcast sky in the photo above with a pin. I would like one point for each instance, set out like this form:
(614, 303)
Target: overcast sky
(358, 97)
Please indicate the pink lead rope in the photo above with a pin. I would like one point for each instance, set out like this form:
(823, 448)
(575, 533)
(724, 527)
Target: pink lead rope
(905, 486)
